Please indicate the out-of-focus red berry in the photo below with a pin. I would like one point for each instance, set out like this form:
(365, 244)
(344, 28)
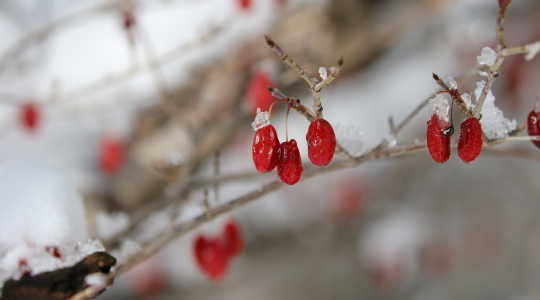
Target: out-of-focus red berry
(470, 140)
(111, 154)
(29, 116)
(24, 268)
(290, 164)
(321, 142)
(348, 199)
(257, 95)
(438, 144)
(265, 149)
(212, 257)
(147, 278)
(232, 238)
(244, 4)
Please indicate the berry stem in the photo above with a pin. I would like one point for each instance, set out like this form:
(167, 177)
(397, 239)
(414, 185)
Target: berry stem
(287, 124)
(312, 113)
(457, 95)
(536, 103)
(270, 109)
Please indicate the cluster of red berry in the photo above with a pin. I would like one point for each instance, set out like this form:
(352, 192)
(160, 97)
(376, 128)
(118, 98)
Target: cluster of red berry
(439, 132)
(111, 154)
(213, 254)
(269, 153)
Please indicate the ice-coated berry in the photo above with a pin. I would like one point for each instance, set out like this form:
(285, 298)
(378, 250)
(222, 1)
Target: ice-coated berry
(290, 164)
(232, 238)
(111, 154)
(266, 149)
(470, 140)
(533, 125)
(257, 95)
(438, 145)
(212, 257)
(321, 142)
(30, 116)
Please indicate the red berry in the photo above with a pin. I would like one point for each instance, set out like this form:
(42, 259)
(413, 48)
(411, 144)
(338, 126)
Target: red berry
(533, 125)
(470, 140)
(438, 145)
(29, 116)
(321, 142)
(257, 95)
(111, 154)
(129, 20)
(232, 239)
(290, 164)
(147, 278)
(212, 257)
(244, 4)
(266, 149)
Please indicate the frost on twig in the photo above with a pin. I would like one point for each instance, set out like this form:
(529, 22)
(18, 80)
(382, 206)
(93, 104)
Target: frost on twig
(487, 57)
(533, 49)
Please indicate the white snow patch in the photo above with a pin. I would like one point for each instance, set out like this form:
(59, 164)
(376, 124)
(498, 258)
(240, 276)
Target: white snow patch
(533, 50)
(261, 120)
(440, 105)
(493, 122)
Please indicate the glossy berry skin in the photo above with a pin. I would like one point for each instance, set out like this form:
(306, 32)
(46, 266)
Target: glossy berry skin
(533, 126)
(321, 142)
(438, 145)
(290, 164)
(30, 116)
(265, 149)
(232, 239)
(470, 140)
(257, 95)
(111, 155)
(212, 257)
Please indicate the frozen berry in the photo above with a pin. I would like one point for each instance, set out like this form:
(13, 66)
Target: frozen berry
(111, 154)
(470, 140)
(244, 4)
(321, 142)
(266, 149)
(438, 144)
(533, 125)
(290, 164)
(257, 95)
(211, 256)
(232, 238)
(30, 116)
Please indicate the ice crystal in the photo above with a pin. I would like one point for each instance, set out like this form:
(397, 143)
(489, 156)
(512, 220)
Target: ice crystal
(533, 50)
(323, 73)
(261, 120)
(467, 99)
(493, 122)
(487, 57)
(350, 137)
(452, 83)
(440, 105)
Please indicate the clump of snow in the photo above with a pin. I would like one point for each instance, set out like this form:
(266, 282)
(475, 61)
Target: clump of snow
(452, 83)
(110, 225)
(261, 120)
(323, 73)
(391, 140)
(95, 279)
(350, 137)
(533, 50)
(41, 215)
(487, 57)
(127, 249)
(493, 122)
(440, 105)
